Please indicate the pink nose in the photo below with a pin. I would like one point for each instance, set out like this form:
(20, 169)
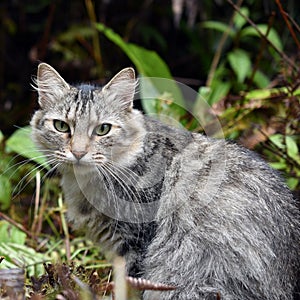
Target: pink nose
(79, 154)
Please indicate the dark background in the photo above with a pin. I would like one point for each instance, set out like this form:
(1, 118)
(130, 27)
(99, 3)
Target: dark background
(29, 32)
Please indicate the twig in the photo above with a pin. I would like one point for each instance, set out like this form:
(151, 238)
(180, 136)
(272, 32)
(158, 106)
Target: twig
(140, 284)
(282, 54)
(144, 284)
(42, 210)
(285, 17)
(278, 151)
(43, 46)
(295, 24)
(19, 226)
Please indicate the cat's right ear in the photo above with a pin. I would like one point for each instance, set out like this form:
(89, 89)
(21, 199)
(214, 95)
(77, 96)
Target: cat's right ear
(50, 85)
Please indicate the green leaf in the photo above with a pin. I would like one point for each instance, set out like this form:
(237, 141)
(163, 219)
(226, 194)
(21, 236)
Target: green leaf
(219, 26)
(239, 21)
(22, 256)
(76, 31)
(278, 165)
(5, 192)
(292, 183)
(277, 139)
(10, 233)
(240, 62)
(147, 62)
(151, 67)
(161, 96)
(261, 80)
(1, 137)
(292, 148)
(273, 36)
(21, 143)
(218, 91)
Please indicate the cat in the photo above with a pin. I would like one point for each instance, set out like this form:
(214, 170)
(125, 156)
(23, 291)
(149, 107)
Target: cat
(204, 215)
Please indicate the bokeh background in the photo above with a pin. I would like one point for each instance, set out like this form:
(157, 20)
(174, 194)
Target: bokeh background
(241, 56)
(223, 49)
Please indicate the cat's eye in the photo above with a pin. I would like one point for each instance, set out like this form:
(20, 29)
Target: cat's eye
(61, 126)
(102, 129)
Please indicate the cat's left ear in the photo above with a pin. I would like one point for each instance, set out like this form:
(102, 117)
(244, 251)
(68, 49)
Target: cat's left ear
(122, 86)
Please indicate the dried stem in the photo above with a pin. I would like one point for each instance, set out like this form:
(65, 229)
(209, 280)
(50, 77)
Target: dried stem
(262, 47)
(36, 203)
(65, 228)
(96, 42)
(218, 53)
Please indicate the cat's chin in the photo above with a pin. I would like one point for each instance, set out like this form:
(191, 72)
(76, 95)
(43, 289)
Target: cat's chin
(80, 169)
(84, 168)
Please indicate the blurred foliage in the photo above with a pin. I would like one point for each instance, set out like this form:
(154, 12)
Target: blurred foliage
(242, 58)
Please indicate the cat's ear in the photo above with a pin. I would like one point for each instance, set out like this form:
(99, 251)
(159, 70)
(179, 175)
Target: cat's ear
(122, 86)
(50, 85)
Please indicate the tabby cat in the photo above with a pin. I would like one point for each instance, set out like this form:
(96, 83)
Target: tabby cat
(204, 215)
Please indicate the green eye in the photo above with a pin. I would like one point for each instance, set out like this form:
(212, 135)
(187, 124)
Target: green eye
(102, 129)
(61, 126)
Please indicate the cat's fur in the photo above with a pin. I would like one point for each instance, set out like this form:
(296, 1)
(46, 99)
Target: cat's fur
(207, 216)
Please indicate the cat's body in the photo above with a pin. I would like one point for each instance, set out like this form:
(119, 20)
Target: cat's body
(204, 215)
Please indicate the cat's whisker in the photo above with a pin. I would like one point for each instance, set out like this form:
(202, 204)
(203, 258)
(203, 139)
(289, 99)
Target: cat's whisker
(132, 177)
(136, 188)
(24, 161)
(18, 166)
(132, 195)
(110, 190)
(20, 187)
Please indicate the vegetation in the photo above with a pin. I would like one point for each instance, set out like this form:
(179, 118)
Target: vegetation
(241, 58)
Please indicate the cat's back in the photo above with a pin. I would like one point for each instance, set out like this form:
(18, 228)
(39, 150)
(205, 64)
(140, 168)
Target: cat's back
(223, 173)
(215, 166)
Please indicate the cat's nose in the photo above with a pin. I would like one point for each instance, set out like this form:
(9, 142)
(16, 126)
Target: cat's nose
(79, 154)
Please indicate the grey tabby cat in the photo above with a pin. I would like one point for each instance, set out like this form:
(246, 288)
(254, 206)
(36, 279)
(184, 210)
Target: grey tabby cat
(204, 215)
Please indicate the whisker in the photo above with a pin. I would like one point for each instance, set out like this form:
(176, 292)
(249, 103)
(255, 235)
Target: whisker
(23, 162)
(131, 194)
(20, 187)
(17, 167)
(110, 190)
(132, 177)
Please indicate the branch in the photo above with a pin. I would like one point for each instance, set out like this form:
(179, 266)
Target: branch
(285, 17)
(282, 54)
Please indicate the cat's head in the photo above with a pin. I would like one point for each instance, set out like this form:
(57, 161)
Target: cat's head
(85, 124)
